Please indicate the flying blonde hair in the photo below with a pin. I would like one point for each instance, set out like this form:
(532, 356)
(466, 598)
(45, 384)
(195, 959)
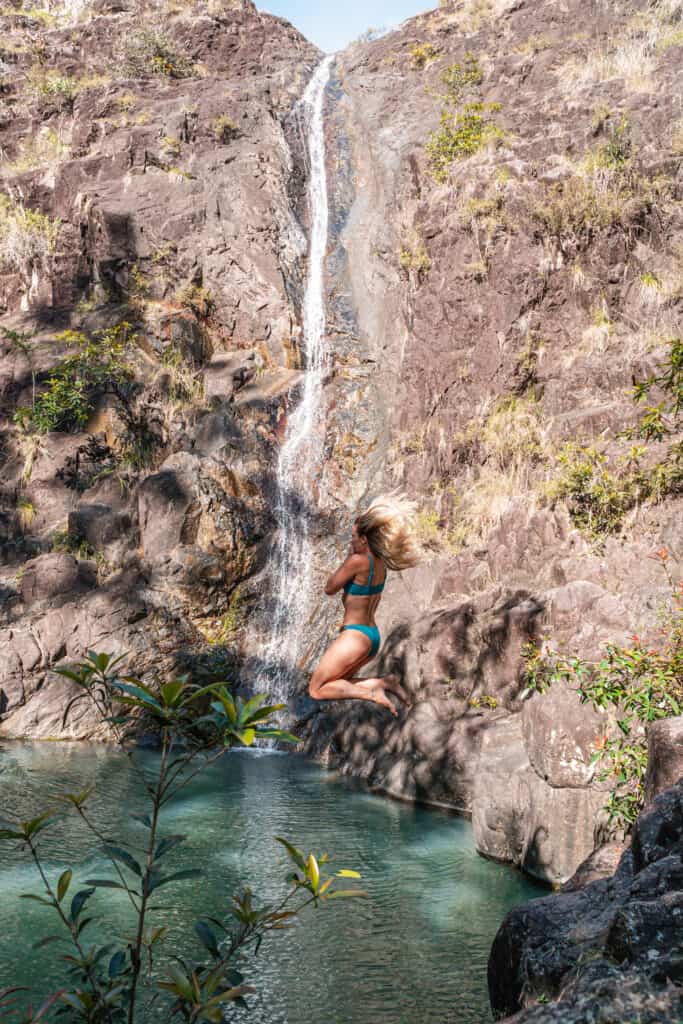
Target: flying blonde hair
(388, 525)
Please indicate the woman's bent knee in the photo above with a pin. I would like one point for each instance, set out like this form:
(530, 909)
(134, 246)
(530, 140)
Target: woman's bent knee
(314, 688)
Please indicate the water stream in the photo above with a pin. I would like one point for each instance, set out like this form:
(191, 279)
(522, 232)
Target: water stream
(413, 952)
(301, 453)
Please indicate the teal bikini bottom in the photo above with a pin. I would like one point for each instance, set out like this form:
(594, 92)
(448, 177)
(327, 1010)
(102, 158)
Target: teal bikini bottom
(372, 633)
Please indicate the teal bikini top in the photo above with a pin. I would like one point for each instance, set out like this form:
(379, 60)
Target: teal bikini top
(364, 589)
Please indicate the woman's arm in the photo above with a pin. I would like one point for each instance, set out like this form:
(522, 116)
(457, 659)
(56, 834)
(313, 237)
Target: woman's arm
(347, 570)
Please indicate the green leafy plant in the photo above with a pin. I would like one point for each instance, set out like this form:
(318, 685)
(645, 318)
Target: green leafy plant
(96, 367)
(197, 299)
(643, 682)
(113, 983)
(599, 495)
(51, 89)
(485, 701)
(458, 78)
(225, 129)
(422, 54)
(147, 52)
(460, 135)
(414, 256)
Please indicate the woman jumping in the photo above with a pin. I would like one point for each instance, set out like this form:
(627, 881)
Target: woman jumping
(381, 539)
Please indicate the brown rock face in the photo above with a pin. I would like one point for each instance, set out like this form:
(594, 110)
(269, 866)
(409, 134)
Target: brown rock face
(489, 315)
(164, 194)
(665, 755)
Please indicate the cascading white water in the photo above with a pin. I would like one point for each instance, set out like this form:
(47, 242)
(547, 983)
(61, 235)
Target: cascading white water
(301, 452)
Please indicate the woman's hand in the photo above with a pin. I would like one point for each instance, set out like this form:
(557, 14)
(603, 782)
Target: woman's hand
(352, 565)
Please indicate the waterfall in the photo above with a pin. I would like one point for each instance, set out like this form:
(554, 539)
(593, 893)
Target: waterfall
(301, 452)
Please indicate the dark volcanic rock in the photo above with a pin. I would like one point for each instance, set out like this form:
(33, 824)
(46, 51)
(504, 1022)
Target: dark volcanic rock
(610, 951)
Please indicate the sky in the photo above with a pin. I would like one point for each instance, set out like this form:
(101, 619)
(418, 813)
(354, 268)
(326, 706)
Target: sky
(331, 24)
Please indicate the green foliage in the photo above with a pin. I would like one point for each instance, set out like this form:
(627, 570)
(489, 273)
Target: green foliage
(95, 368)
(422, 54)
(225, 129)
(458, 78)
(197, 299)
(147, 52)
(616, 151)
(51, 89)
(664, 419)
(113, 983)
(414, 256)
(485, 701)
(598, 496)
(460, 135)
(642, 683)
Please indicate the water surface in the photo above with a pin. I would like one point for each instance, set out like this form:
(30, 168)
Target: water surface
(414, 952)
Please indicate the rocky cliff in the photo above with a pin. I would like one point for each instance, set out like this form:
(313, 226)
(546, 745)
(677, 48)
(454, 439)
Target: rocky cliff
(508, 264)
(152, 265)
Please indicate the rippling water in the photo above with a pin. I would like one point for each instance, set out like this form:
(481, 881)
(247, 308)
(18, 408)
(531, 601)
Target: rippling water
(414, 952)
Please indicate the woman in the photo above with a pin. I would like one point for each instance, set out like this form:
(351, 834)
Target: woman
(381, 539)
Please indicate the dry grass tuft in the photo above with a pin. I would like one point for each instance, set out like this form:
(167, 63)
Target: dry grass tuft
(635, 53)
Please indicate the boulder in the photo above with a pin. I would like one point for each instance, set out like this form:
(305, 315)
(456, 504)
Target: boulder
(609, 950)
(560, 735)
(168, 507)
(225, 373)
(99, 526)
(53, 575)
(664, 755)
(519, 817)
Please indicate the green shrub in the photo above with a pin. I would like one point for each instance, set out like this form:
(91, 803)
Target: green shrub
(225, 129)
(458, 78)
(643, 682)
(197, 299)
(97, 367)
(51, 89)
(422, 54)
(147, 52)
(460, 135)
(598, 497)
(414, 256)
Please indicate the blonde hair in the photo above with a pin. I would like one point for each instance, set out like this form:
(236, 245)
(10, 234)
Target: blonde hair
(387, 525)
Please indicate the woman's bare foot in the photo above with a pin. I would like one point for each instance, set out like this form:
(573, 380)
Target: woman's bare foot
(377, 694)
(392, 684)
